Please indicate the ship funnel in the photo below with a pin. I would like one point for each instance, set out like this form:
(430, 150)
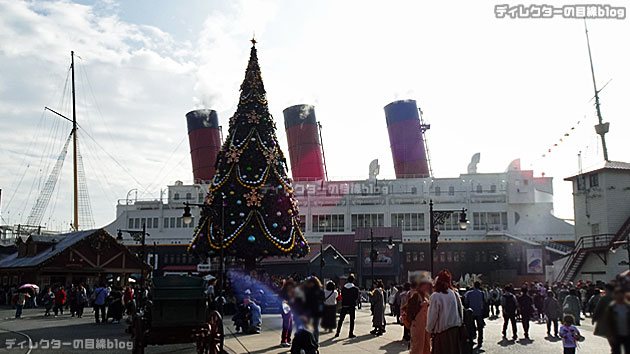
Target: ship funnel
(205, 142)
(405, 138)
(305, 150)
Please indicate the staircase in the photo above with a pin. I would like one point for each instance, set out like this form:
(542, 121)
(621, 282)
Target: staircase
(587, 245)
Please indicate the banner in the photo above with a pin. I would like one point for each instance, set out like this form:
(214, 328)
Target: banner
(534, 261)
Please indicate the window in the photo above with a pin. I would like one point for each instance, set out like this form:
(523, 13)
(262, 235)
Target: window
(176, 196)
(200, 198)
(490, 221)
(414, 190)
(451, 222)
(149, 223)
(493, 188)
(408, 221)
(593, 180)
(449, 256)
(328, 223)
(415, 256)
(367, 220)
(155, 223)
(188, 196)
(408, 257)
(437, 191)
(594, 229)
(581, 183)
(136, 223)
(525, 182)
(455, 256)
(172, 222)
(451, 190)
(442, 256)
(479, 188)
(179, 223)
(166, 224)
(130, 223)
(421, 256)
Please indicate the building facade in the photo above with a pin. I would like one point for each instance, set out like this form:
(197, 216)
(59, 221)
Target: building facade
(601, 203)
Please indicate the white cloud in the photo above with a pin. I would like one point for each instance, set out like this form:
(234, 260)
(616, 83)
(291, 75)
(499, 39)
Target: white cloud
(506, 88)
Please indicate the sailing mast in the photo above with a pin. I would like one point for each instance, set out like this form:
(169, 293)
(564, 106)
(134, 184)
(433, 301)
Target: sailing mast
(602, 128)
(74, 151)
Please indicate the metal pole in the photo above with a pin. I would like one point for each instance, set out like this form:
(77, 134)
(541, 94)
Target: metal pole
(74, 151)
(431, 232)
(628, 249)
(144, 253)
(321, 260)
(372, 253)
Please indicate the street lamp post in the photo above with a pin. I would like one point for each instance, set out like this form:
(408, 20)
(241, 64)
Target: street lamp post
(374, 252)
(138, 236)
(322, 262)
(437, 218)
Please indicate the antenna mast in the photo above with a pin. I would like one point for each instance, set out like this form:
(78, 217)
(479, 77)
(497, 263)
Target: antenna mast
(602, 128)
(75, 224)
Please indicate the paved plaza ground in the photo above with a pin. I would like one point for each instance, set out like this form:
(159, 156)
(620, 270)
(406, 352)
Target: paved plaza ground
(65, 329)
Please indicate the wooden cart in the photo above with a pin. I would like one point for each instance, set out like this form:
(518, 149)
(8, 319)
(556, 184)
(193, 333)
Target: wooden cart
(177, 312)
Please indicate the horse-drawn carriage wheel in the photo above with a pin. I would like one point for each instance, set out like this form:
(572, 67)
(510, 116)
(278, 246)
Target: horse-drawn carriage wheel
(214, 339)
(137, 335)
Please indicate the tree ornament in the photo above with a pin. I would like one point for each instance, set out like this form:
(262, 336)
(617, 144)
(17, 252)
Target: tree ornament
(233, 154)
(253, 198)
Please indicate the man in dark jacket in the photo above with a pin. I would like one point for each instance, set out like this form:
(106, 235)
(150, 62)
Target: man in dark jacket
(614, 323)
(526, 308)
(602, 304)
(509, 305)
(349, 297)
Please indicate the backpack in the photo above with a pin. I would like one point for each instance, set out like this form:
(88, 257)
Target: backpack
(509, 306)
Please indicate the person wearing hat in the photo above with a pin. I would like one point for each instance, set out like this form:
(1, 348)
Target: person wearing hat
(416, 310)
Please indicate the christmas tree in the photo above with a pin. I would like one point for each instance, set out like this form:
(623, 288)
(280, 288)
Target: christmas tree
(252, 212)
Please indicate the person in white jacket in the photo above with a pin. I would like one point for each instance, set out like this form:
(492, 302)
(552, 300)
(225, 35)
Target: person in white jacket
(445, 316)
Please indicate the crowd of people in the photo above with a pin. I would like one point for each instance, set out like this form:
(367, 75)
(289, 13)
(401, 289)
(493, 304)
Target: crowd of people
(436, 315)
(107, 302)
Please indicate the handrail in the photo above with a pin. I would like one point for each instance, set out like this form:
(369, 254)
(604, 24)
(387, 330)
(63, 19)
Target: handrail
(591, 241)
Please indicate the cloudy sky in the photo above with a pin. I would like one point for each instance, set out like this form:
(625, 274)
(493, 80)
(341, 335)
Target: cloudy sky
(506, 88)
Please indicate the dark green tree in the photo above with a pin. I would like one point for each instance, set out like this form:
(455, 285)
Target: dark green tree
(259, 216)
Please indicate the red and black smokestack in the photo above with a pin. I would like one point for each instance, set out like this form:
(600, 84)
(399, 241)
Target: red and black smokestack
(305, 150)
(205, 142)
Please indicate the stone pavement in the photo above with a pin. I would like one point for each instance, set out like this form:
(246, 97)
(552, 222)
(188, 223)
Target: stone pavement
(37, 328)
(390, 342)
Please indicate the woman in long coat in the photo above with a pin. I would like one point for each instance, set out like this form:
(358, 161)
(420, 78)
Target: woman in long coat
(573, 306)
(417, 308)
(378, 309)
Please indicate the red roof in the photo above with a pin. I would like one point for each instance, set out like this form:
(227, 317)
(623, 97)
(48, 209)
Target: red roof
(342, 243)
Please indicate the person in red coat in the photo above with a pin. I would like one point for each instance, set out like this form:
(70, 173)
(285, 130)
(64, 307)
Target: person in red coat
(60, 300)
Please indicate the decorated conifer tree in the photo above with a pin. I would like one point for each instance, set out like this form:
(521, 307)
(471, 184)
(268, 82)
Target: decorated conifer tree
(259, 216)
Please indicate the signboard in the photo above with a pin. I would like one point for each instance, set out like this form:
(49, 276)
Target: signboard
(385, 257)
(344, 188)
(534, 261)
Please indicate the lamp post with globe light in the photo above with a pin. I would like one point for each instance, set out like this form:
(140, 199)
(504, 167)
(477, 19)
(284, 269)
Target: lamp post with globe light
(437, 218)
